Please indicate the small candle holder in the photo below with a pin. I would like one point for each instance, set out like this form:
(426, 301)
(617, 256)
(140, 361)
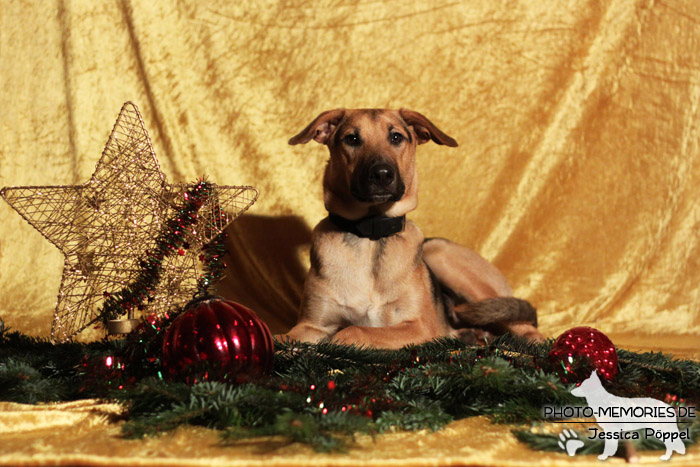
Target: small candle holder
(122, 326)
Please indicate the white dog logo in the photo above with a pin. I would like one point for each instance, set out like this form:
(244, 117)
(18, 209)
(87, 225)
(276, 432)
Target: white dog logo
(617, 415)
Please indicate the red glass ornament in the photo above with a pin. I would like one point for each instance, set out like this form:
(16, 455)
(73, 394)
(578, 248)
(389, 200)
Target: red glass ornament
(581, 349)
(223, 337)
(102, 374)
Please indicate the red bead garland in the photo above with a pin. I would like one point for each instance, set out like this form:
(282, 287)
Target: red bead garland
(581, 349)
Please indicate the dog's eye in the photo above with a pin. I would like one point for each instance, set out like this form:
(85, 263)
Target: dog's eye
(351, 139)
(396, 138)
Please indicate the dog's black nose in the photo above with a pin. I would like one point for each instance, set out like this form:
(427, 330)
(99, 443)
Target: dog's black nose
(381, 174)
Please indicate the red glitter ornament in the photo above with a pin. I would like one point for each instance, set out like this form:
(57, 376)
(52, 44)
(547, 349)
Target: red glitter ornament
(581, 349)
(219, 331)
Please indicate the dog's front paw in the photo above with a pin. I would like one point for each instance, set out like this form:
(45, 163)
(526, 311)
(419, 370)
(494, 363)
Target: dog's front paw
(352, 335)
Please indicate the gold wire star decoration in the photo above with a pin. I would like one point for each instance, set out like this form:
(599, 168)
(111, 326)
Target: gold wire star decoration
(124, 224)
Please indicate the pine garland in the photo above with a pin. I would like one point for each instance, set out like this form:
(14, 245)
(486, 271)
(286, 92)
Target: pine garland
(322, 394)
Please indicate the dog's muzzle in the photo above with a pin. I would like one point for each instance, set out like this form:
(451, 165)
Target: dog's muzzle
(377, 181)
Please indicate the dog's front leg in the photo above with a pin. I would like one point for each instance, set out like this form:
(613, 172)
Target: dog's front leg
(307, 331)
(320, 316)
(389, 337)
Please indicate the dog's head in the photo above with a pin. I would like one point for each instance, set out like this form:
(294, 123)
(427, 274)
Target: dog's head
(372, 165)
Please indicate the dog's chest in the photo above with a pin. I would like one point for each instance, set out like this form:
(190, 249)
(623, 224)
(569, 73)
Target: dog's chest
(368, 279)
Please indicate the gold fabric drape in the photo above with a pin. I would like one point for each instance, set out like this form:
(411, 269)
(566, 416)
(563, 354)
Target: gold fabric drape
(577, 174)
(84, 433)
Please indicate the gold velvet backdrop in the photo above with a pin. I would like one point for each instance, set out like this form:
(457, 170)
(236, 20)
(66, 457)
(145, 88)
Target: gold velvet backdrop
(577, 174)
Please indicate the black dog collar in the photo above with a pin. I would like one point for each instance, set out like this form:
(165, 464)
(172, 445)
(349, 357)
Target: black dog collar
(372, 227)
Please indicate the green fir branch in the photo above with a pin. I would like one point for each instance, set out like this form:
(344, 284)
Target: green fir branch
(321, 394)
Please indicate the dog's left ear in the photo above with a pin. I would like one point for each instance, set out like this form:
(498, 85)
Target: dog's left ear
(425, 129)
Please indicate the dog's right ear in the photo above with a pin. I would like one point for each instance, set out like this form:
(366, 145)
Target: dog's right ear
(320, 129)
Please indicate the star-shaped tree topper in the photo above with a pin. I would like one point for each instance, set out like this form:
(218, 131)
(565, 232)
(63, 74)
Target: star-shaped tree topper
(131, 240)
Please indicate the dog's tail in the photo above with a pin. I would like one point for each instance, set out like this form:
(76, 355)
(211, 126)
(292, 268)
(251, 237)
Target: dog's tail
(493, 311)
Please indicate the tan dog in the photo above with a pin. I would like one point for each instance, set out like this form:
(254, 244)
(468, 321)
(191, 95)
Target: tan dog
(374, 279)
